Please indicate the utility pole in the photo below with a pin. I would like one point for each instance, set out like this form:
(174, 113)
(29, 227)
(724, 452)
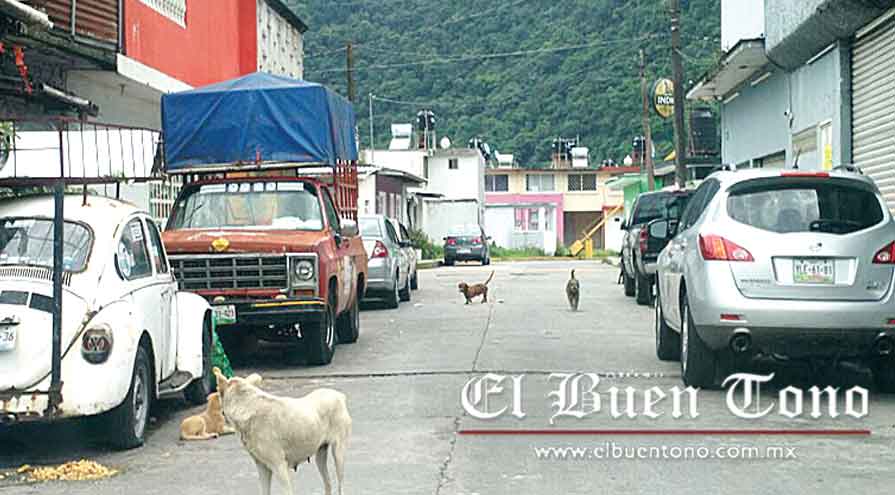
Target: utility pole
(372, 140)
(647, 131)
(680, 148)
(349, 64)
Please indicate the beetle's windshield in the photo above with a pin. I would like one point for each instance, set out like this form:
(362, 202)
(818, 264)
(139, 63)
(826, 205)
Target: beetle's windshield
(265, 205)
(29, 241)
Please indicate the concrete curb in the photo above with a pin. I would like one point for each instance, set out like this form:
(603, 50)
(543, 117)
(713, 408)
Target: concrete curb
(427, 264)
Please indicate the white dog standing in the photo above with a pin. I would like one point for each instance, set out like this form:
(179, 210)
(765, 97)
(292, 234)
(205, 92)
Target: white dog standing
(282, 432)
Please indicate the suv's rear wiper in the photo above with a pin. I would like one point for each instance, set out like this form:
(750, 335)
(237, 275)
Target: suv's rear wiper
(832, 226)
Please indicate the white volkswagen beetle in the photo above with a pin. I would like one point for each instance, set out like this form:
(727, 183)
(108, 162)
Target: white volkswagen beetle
(128, 335)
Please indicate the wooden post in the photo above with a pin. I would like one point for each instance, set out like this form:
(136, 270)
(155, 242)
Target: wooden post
(647, 131)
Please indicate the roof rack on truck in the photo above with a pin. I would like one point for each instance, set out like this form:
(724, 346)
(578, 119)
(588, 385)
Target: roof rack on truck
(264, 125)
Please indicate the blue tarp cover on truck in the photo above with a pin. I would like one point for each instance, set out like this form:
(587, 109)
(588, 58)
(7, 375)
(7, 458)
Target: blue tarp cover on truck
(258, 118)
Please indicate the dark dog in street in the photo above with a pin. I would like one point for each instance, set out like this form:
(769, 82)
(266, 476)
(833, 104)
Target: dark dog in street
(573, 290)
(475, 290)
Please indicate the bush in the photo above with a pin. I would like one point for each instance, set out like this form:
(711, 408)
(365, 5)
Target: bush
(421, 241)
(562, 251)
(528, 252)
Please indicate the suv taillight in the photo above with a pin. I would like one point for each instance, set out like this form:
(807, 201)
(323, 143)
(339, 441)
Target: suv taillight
(477, 240)
(644, 236)
(379, 251)
(451, 241)
(715, 247)
(886, 255)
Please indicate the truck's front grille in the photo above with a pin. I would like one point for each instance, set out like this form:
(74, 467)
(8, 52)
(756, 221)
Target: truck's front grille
(198, 272)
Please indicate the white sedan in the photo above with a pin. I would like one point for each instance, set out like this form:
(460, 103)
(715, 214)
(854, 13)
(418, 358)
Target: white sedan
(128, 335)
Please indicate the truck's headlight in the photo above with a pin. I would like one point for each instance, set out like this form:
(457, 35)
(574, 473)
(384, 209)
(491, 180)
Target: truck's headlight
(303, 270)
(96, 344)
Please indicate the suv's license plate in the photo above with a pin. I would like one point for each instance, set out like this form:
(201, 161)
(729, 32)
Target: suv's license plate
(464, 251)
(225, 315)
(7, 339)
(813, 271)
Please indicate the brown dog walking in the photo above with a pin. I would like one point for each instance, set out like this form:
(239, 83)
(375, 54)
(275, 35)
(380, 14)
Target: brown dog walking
(475, 290)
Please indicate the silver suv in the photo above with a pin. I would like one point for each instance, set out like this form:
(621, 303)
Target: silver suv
(784, 265)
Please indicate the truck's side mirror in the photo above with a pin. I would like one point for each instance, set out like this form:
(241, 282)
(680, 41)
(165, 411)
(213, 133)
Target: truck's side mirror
(659, 229)
(349, 228)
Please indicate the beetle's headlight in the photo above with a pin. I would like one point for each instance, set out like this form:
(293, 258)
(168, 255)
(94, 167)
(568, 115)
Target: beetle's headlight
(303, 270)
(96, 344)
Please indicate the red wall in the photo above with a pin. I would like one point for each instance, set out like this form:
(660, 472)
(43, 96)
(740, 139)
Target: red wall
(218, 43)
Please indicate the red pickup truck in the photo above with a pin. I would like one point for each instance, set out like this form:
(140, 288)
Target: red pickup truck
(274, 258)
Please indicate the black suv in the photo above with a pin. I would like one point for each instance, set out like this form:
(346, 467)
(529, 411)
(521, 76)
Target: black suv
(639, 252)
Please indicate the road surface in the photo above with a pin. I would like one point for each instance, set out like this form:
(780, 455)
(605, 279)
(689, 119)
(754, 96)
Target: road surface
(404, 380)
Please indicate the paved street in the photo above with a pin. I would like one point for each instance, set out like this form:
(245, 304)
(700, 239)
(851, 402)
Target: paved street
(404, 377)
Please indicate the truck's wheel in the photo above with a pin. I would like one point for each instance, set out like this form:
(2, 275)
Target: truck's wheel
(415, 281)
(405, 292)
(197, 391)
(668, 342)
(643, 289)
(392, 299)
(320, 340)
(697, 360)
(628, 282)
(348, 326)
(127, 422)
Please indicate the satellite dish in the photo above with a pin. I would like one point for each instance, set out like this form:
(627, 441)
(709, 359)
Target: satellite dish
(445, 143)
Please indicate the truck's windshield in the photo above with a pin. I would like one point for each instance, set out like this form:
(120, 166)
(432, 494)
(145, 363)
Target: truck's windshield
(262, 204)
(29, 241)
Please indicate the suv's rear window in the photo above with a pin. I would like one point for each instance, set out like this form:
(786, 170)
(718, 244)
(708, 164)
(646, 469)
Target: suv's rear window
(784, 205)
(655, 206)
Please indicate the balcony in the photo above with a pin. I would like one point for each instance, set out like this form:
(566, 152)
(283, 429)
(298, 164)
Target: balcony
(86, 20)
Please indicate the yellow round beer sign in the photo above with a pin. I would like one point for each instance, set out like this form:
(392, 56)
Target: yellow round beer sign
(663, 98)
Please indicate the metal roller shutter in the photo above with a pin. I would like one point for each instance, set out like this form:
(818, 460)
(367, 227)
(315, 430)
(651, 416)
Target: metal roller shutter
(873, 106)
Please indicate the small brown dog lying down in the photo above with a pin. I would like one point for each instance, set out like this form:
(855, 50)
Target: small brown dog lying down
(210, 424)
(475, 290)
(280, 433)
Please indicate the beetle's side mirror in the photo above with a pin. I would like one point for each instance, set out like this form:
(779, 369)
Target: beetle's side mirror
(349, 228)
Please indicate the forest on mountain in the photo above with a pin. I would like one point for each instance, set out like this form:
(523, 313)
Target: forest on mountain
(515, 73)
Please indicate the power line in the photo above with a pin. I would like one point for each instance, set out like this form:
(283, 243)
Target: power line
(488, 56)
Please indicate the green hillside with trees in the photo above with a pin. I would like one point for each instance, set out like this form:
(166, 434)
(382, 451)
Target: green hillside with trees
(516, 73)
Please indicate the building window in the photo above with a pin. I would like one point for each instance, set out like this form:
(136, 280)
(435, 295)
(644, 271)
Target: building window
(453, 164)
(582, 182)
(172, 9)
(533, 219)
(497, 183)
(538, 182)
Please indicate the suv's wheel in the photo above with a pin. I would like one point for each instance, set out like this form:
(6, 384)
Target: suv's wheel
(668, 342)
(197, 391)
(127, 422)
(393, 298)
(320, 340)
(697, 360)
(348, 326)
(486, 261)
(415, 281)
(628, 282)
(404, 294)
(448, 262)
(643, 289)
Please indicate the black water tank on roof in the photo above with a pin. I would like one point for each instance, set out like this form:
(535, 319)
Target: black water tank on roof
(703, 132)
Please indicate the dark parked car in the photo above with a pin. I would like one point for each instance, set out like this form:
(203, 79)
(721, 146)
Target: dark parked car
(467, 243)
(639, 253)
